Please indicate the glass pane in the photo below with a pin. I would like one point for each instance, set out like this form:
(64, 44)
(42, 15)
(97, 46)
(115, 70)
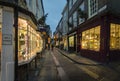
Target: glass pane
(22, 24)
(115, 36)
(22, 40)
(71, 41)
(29, 41)
(119, 37)
(22, 44)
(112, 36)
(0, 45)
(91, 39)
(97, 38)
(87, 36)
(84, 45)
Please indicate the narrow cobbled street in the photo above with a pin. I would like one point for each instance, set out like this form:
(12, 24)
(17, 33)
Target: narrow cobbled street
(54, 66)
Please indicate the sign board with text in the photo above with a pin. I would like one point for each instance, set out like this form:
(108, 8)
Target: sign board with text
(7, 39)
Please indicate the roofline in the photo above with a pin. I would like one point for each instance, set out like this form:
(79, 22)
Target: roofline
(42, 6)
(20, 9)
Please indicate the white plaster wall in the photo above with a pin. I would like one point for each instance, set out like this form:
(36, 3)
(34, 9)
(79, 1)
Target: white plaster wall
(7, 69)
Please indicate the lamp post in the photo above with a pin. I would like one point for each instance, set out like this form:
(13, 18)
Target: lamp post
(16, 39)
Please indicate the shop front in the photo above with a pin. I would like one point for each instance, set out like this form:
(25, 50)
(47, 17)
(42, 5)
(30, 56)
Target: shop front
(114, 41)
(90, 42)
(65, 43)
(100, 40)
(29, 44)
(29, 40)
(72, 42)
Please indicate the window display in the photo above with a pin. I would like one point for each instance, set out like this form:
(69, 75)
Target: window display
(91, 39)
(65, 42)
(0, 42)
(71, 41)
(114, 36)
(28, 40)
(22, 39)
(0, 37)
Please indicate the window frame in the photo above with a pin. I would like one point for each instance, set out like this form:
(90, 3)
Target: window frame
(89, 39)
(92, 7)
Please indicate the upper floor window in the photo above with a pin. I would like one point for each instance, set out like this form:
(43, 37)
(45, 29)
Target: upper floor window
(65, 16)
(70, 24)
(75, 19)
(70, 4)
(82, 8)
(93, 7)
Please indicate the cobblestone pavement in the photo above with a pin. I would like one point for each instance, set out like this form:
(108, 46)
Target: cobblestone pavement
(58, 65)
(99, 71)
(73, 72)
(46, 70)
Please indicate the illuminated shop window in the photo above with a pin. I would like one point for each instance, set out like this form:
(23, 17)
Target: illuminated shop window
(115, 36)
(28, 40)
(65, 42)
(0, 42)
(91, 39)
(71, 41)
(22, 39)
(0, 37)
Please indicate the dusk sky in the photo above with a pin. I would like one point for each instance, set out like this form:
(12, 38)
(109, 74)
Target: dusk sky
(54, 9)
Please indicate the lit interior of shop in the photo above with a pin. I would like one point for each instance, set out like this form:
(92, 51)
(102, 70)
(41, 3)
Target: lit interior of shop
(91, 39)
(29, 40)
(114, 36)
